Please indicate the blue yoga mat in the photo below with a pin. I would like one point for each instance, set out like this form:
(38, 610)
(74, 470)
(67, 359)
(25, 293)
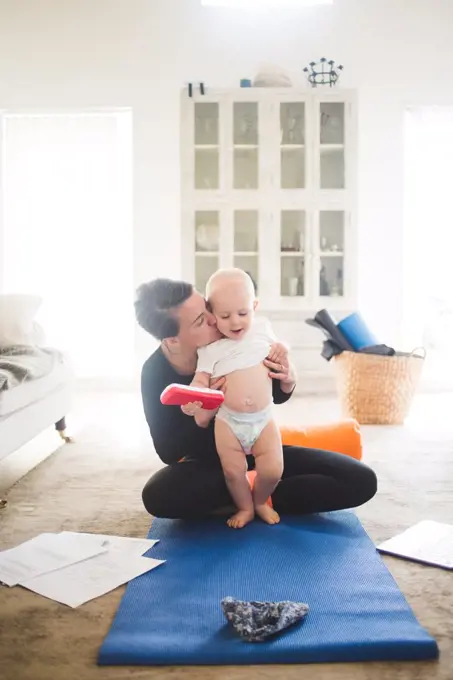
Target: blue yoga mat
(173, 616)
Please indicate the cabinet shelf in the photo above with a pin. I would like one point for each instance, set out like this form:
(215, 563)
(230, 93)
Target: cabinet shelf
(292, 146)
(207, 253)
(292, 253)
(331, 147)
(331, 253)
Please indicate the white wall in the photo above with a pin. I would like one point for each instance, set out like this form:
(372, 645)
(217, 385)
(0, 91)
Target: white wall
(88, 53)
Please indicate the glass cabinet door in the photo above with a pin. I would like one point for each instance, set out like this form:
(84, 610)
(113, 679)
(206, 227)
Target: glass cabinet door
(207, 246)
(331, 249)
(292, 145)
(245, 145)
(332, 145)
(207, 146)
(246, 242)
(292, 253)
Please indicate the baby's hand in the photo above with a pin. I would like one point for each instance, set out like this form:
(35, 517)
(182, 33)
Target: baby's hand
(278, 353)
(192, 408)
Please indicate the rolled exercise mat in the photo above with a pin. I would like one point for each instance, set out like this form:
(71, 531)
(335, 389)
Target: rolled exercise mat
(173, 615)
(356, 332)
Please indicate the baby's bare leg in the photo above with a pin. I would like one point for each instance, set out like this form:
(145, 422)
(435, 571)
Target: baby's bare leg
(234, 468)
(269, 469)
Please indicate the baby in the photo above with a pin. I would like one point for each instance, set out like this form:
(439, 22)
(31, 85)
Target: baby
(244, 423)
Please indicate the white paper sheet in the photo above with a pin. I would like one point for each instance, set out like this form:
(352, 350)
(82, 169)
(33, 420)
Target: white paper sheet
(42, 554)
(131, 546)
(79, 583)
(428, 542)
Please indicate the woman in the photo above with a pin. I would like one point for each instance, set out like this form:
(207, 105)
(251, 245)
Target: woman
(192, 483)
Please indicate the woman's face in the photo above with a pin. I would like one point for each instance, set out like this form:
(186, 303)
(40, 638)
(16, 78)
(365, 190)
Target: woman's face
(196, 325)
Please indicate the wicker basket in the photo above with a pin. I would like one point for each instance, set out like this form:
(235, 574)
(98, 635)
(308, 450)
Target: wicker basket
(378, 390)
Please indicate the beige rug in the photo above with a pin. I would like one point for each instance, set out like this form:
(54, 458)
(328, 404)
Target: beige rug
(95, 485)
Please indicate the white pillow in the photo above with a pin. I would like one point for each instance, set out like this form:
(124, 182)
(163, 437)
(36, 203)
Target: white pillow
(271, 75)
(17, 325)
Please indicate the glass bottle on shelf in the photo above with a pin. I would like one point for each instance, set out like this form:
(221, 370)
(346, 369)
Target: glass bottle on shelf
(292, 231)
(332, 145)
(206, 142)
(331, 280)
(331, 231)
(331, 249)
(245, 145)
(292, 280)
(292, 145)
(292, 253)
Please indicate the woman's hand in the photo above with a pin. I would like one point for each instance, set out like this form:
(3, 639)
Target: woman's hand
(280, 367)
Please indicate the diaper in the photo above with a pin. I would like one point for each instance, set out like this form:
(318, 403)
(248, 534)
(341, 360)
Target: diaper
(246, 427)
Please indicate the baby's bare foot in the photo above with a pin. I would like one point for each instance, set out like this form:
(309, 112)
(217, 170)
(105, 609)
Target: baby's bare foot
(240, 519)
(267, 514)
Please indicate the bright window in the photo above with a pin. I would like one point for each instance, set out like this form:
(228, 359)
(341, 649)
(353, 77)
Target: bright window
(67, 222)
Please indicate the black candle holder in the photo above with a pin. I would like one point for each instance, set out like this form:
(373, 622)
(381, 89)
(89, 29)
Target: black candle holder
(323, 72)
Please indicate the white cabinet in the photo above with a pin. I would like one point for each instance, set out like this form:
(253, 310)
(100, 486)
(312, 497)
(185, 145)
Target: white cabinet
(269, 185)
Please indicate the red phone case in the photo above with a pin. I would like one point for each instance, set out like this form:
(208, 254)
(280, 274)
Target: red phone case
(179, 395)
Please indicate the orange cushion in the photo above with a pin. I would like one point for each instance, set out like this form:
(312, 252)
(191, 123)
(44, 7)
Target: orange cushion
(341, 437)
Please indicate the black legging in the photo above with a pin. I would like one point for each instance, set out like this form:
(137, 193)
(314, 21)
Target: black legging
(313, 481)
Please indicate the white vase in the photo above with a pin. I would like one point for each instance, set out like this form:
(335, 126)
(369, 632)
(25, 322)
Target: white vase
(292, 286)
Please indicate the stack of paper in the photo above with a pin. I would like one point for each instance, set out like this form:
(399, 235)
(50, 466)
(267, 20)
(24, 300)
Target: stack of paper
(73, 568)
(428, 542)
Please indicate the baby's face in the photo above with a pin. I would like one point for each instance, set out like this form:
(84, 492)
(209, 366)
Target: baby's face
(233, 308)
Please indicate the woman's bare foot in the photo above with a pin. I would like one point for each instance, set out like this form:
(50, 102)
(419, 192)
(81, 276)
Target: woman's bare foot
(240, 519)
(267, 514)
